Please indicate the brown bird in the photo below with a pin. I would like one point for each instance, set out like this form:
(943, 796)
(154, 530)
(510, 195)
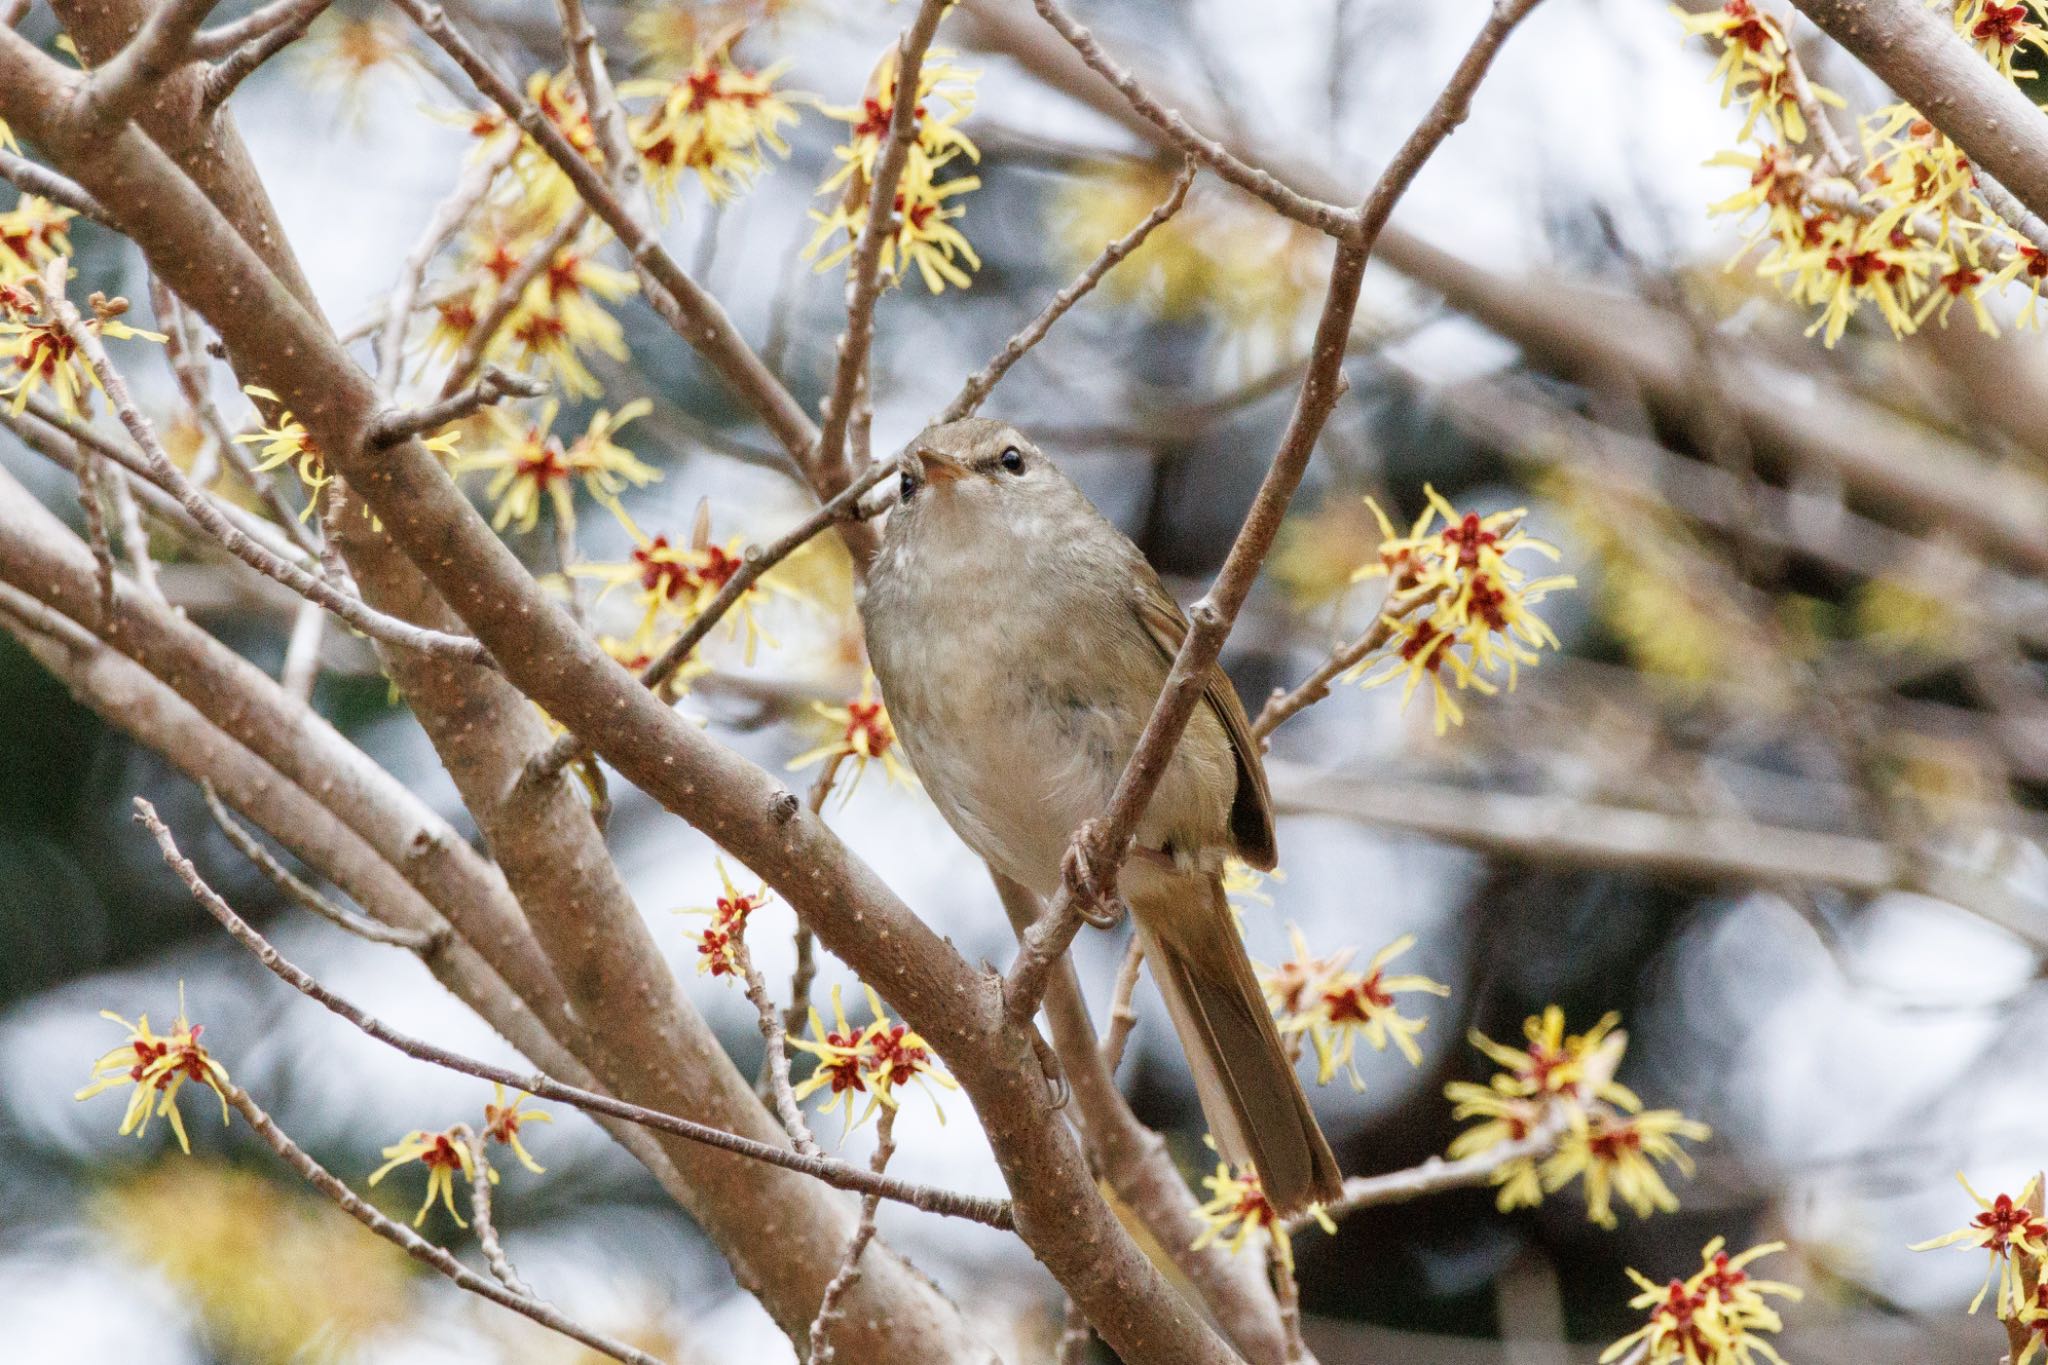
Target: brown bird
(1021, 642)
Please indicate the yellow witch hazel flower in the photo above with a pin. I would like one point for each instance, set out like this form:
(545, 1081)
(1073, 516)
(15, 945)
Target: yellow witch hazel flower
(875, 1060)
(1336, 1007)
(502, 1122)
(925, 235)
(1560, 1080)
(864, 734)
(44, 356)
(32, 234)
(1238, 1210)
(444, 1154)
(158, 1066)
(1709, 1318)
(718, 946)
(2008, 1228)
(1454, 590)
(719, 119)
(530, 466)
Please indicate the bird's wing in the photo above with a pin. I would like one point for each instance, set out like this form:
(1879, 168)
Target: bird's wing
(1251, 809)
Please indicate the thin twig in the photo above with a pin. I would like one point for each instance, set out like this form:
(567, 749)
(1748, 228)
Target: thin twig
(226, 77)
(1123, 1017)
(92, 502)
(844, 1175)
(756, 562)
(494, 386)
(1437, 1175)
(705, 324)
(299, 674)
(805, 972)
(1287, 1293)
(978, 385)
(413, 940)
(1100, 846)
(31, 178)
(211, 44)
(418, 1247)
(478, 343)
(133, 538)
(1285, 703)
(480, 1212)
(600, 100)
(775, 1050)
(842, 1283)
(863, 271)
(353, 610)
(448, 219)
(1284, 199)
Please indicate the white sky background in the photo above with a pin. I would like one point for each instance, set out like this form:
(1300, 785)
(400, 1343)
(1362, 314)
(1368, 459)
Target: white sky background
(1593, 101)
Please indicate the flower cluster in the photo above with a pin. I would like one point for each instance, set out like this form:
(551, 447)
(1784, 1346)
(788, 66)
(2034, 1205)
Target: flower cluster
(158, 1065)
(1899, 224)
(925, 235)
(2012, 1230)
(1710, 1318)
(1564, 1083)
(32, 234)
(719, 945)
(875, 1060)
(530, 466)
(1237, 1210)
(861, 733)
(1337, 1007)
(40, 354)
(448, 1153)
(674, 583)
(719, 119)
(1456, 605)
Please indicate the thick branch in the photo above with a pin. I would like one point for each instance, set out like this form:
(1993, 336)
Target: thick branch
(159, 47)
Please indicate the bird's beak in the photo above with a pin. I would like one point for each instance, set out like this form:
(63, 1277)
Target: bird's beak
(939, 468)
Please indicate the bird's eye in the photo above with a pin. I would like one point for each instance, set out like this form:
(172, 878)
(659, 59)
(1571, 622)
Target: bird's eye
(1013, 460)
(907, 486)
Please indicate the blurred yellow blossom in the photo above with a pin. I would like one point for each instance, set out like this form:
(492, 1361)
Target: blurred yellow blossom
(502, 1122)
(720, 120)
(44, 355)
(674, 584)
(1237, 1210)
(530, 466)
(32, 234)
(1616, 1155)
(158, 1065)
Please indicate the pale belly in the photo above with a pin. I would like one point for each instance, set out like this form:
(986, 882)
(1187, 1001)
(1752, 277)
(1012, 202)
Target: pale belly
(1019, 734)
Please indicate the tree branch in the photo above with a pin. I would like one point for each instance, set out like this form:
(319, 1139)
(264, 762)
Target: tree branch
(863, 271)
(159, 47)
(30, 178)
(829, 1310)
(982, 382)
(495, 386)
(226, 77)
(211, 44)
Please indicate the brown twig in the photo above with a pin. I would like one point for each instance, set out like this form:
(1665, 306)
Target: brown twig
(1285, 703)
(30, 178)
(480, 1213)
(1123, 1016)
(1101, 845)
(842, 1283)
(993, 1212)
(418, 1247)
(708, 327)
(412, 940)
(1287, 1293)
(133, 538)
(478, 343)
(978, 386)
(1284, 199)
(494, 386)
(805, 972)
(775, 1050)
(211, 44)
(1437, 1175)
(92, 502)
(227, 76)
(600, 100)
(863, 271)
(353, 610)
(845, 506)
